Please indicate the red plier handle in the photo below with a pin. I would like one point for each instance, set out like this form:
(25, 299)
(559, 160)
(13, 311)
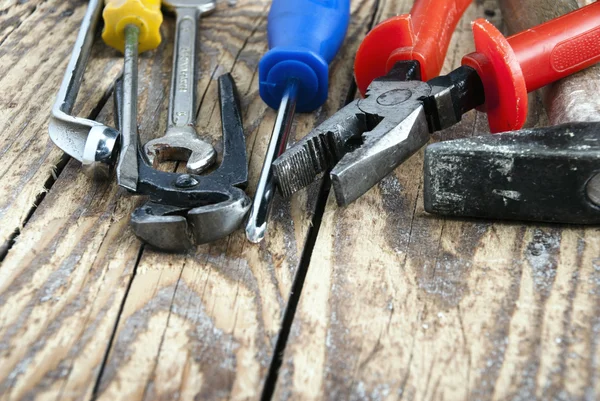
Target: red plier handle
(511, 67)
(508, 67)
(423, 35)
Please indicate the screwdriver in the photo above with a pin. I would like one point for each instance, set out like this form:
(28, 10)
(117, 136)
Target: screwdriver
(132, 27)
(304, 37)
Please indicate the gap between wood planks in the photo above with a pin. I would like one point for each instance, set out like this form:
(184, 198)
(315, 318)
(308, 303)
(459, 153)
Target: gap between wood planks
(305, 258)
(96, 389)
(51, 180)
(303, 265)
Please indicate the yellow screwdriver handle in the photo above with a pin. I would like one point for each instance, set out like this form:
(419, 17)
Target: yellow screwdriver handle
(145, 14)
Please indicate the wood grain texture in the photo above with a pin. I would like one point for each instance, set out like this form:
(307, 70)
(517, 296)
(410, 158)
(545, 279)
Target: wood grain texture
(397, 304)
(13, 13)
(64, 281)
(32, 62)
(401, 305)
(204, 326)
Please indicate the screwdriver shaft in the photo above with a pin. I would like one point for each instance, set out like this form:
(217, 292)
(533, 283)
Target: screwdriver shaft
(127, 169)
(265, 191)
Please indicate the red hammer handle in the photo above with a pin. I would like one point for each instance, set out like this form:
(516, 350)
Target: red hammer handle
(423, 35)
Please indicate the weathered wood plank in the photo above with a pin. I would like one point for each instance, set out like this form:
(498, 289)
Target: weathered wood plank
(62, 298)
(32, 62)
(205, 325)
(63, 283)
(399, 304)
(13, 13)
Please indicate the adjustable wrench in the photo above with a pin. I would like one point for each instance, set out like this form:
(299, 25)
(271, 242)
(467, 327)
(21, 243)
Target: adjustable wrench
(181, 141)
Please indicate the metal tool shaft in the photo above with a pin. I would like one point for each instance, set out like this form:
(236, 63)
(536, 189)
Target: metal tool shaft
(181, 141)
(92, 143)
(182, 102)
(263, 199)
(127, 169)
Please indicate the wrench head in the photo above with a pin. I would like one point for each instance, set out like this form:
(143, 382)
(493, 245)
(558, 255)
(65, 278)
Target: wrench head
(176, 229)
(181, 144)
(203, 6)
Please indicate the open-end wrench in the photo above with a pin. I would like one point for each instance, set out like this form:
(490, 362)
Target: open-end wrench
(181, 141)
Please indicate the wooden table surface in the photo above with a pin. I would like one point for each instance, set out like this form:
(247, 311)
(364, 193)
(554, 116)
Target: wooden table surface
(377, 301)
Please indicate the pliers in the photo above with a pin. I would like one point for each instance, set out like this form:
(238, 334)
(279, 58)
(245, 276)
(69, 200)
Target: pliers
(366, 140)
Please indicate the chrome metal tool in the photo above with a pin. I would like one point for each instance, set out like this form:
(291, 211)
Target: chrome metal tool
(130, 26)
(184, 209)
(368, 139)
(181, 141)
(256, 226)
(304, 37)
(549, 174)
(94, 144)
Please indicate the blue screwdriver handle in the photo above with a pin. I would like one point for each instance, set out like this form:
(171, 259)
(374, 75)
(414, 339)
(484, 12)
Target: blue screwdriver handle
(304, 37)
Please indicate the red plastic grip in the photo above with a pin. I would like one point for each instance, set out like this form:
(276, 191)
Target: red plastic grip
(510, 68)
(423, 35)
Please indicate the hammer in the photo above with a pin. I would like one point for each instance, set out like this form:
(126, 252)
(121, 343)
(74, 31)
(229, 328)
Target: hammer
(547, 174)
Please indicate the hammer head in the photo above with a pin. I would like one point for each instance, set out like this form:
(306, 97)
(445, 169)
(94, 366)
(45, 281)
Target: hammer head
(547, 174)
